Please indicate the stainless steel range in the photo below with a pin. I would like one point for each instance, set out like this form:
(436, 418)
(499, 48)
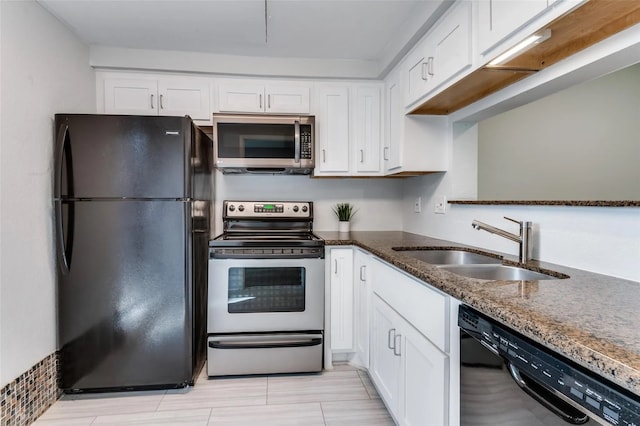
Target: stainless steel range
(266, 290)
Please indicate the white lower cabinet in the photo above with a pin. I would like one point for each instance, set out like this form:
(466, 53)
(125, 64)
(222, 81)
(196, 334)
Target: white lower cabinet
(408, 370)
(362, 302)
(408, 359)
(424, 375)
(400, 329)
(341, 288)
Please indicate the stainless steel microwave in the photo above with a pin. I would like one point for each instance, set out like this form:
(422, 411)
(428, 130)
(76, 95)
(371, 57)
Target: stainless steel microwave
(251, 143)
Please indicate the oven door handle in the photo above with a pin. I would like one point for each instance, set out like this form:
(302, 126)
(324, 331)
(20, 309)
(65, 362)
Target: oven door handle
(545, 397)
(266, 342)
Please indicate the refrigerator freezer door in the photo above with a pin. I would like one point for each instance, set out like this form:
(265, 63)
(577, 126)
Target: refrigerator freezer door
(124, 303)
(118, 156)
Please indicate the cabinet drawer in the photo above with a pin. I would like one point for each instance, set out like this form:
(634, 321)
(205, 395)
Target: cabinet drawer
(424, 308)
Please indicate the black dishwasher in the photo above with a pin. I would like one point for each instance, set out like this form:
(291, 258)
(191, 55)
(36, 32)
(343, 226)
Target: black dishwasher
(497, 364)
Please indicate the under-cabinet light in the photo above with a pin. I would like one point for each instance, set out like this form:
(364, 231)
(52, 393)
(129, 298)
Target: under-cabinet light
(521, 47)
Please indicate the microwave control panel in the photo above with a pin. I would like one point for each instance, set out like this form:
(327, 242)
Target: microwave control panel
(306, 145)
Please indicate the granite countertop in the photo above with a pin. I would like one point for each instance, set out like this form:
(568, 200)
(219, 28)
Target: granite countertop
(590, 318)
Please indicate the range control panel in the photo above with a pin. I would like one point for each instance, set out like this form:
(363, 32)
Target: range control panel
(268, 209)
(593, 394)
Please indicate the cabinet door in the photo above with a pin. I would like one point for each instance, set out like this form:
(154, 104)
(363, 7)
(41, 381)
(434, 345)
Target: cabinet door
(424, 389)
(341, 300)
(395, 124)
(362, 295)
(130, 96)
(451, 46)
(240, 97)
(384, 363)
(189, 96)
(332, 126)
(367, 127)
(287, 99)
(418, 81)
(497, 19)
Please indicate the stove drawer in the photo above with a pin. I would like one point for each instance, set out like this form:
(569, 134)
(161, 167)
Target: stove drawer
(229, 355)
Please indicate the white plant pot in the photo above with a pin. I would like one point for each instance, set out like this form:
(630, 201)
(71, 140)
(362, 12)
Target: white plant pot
(343, 227)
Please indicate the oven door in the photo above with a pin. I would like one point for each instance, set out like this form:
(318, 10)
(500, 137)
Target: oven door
(256, 295)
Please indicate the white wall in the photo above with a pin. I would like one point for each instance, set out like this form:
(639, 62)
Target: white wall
(45, 70)
(376, 199)
(586, 150)
(598, 239)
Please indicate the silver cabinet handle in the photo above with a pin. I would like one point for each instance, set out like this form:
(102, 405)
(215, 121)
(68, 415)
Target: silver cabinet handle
(391, 341)
(423, 71)
(430, 65)
(152, 107)
(269, 101)
(386, 153)
(324, 156)
(161, 103)
(362, 155)
(396, 345)
(335, 267)
(260, 101)
(363, 272)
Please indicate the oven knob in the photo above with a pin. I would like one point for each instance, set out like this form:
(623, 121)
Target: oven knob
(232, 208)
(304, 209)
(295, 209)
(241, 208)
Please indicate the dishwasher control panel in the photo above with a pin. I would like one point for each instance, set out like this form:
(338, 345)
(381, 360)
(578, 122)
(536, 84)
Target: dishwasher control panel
(553, 371)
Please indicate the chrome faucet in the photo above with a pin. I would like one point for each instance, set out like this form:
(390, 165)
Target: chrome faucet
(523, 240)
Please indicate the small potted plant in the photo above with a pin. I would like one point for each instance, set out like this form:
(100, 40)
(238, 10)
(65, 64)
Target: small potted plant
(344, 211)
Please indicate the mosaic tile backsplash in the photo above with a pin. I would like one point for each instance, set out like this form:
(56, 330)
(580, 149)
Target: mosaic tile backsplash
(27, 397)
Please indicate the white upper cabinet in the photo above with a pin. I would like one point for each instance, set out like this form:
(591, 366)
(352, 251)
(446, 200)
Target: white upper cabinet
(498, 19)
(443, 54)
(413, 143)
(367, 129)
(332, 129)
(394, 116)
(260, 96)
(153, 95)
(348, 129)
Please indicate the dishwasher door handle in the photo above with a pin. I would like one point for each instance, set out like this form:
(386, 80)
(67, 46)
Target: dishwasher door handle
(545, 397)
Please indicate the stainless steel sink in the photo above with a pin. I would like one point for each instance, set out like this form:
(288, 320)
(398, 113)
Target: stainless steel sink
(498, 272)
(449, 257)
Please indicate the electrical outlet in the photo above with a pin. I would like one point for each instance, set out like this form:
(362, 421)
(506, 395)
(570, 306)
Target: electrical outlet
(440, 206)
(417, 205)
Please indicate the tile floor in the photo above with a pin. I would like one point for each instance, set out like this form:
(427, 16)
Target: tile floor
(343, 396)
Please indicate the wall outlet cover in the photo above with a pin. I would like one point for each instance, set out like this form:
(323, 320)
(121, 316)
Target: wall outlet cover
(417, 205)
(440, 206)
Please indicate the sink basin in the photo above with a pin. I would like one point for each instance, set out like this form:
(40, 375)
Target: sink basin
(450, 257)
(498, 272)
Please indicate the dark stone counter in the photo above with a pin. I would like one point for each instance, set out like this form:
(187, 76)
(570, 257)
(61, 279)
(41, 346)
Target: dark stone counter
(590, 318)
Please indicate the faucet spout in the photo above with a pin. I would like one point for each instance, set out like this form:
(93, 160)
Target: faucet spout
(523, 238)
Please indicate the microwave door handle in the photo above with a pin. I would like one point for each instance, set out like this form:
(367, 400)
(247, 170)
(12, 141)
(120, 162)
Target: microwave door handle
(296, 141)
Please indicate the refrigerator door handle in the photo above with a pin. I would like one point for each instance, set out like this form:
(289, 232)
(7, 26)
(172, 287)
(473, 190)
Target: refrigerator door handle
(61, 150)
(64, 244)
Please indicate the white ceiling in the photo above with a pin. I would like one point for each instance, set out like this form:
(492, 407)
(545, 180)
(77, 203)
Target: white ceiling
(370, 30)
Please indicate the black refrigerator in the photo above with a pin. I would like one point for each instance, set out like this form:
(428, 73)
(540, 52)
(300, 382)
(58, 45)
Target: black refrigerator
(132, 202)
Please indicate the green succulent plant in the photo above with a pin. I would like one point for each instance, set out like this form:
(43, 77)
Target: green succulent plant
(344, 211)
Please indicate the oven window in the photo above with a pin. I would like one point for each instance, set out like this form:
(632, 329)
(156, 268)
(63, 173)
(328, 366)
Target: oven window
(266, 290)
(256, 140)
